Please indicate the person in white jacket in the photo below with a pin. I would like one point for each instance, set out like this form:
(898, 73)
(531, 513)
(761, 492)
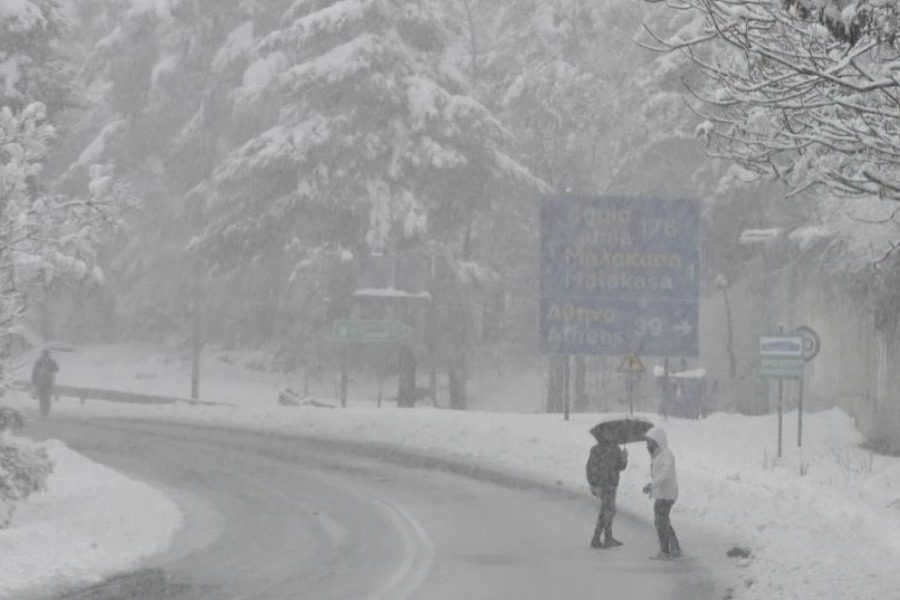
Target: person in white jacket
(663, 489)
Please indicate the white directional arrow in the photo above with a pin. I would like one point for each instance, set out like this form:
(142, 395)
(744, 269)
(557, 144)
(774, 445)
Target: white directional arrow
(684, 328)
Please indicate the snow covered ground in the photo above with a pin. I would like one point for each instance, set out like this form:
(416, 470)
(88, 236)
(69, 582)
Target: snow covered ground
(82, 528)
(822, 522)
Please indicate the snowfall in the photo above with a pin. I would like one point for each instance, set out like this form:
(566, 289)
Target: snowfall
(821, 522)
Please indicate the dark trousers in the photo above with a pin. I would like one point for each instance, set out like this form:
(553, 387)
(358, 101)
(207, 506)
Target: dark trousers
(607, 512)
(44, 395)
(668, 541)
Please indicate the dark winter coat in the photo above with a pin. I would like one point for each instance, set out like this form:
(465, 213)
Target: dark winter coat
(43, 374)
(604, 465)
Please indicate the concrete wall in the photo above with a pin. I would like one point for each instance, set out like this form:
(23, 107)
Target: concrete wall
(858, 367)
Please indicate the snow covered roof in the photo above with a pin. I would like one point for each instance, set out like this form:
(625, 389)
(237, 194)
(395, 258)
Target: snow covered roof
(658, 371)
(390, 293)
(750, 236)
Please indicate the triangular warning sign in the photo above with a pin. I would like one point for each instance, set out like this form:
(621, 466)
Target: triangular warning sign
(631, 364)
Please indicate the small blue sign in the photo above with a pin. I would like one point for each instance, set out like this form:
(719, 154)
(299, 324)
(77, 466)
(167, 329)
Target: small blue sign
(619, 276)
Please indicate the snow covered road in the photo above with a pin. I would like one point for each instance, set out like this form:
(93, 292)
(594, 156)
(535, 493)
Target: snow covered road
(293, 519)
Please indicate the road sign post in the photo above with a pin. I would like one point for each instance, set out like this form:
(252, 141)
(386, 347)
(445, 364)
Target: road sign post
(365, 331)
(619, 276)
(780, 358)
(811, 346)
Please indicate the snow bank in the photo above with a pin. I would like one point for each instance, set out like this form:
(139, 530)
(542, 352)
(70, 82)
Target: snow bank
(819, 523)
(90, 523)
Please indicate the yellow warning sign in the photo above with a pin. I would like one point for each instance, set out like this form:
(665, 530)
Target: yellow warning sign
(631, 364)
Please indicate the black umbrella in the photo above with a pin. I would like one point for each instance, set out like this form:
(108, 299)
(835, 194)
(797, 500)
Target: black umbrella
(622, 429)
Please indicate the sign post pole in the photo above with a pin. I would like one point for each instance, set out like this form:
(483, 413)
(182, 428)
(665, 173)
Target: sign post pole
(811, 346)
(800, 416)
(780, 413)
(344, 377)
(780, 404)
(630, 393)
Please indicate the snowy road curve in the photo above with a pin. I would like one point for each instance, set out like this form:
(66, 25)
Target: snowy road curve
(279, 518)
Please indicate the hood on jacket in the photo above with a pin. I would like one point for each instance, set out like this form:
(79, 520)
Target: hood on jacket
(658, 435)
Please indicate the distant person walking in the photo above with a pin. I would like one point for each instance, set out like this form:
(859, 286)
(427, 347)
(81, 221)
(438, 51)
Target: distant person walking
(603, 467)
(43, 378)
(663, 489)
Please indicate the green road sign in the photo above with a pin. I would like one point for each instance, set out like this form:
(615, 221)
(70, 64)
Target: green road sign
(371, 330)
(781, 368)
(781, 357)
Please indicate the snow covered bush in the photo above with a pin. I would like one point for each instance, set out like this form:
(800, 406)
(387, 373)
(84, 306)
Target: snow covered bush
(11, 420)
(24, 468)
(24, 465)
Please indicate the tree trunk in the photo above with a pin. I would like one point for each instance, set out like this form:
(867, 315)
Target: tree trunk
(729, 339)
(556, 384)
(580, 384)
(406, 381)
(456, 376)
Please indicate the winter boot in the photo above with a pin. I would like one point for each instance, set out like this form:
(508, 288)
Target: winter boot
(609, 540)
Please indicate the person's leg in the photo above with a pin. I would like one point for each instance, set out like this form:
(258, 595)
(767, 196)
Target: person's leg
(609, 508)
(660, 520)
(596, 541)
(674, 546)
(44, 401)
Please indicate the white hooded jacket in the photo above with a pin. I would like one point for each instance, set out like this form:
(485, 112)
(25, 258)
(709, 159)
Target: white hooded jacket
(664, 483)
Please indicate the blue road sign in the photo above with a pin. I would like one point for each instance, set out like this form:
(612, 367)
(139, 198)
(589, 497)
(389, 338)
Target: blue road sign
(620, 276)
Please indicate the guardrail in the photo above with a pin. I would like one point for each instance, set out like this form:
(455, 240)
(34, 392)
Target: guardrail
(86, 393)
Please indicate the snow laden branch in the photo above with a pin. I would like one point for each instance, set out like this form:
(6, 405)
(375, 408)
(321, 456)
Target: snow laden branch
(44, 235)
(803, 91)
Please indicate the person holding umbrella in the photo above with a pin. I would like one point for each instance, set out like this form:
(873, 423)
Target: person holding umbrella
(663, 489)
(605, 463)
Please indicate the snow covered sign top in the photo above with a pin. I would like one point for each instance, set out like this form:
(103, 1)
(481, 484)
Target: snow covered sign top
(391, 293)
(753, 236)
